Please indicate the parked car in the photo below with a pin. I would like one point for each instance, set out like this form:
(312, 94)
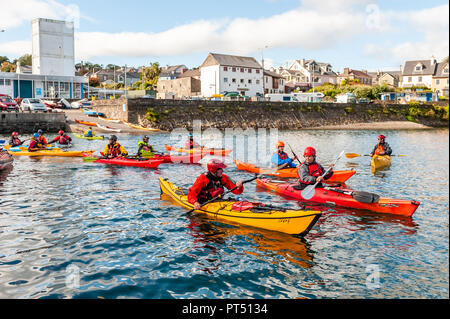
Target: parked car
(33, 105)
(363, 101)
(7, 103)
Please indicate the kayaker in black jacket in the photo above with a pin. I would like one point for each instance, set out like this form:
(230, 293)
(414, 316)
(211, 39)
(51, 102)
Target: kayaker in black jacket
(382, 148)
(310, 172)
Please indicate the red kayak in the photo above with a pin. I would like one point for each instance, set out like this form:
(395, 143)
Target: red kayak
(123, 161)
(183, 159)
(345, 197)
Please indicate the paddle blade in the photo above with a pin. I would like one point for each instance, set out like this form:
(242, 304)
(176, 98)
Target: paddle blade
(352, 155)
(90, 159)
(365, 197)
(309, 192)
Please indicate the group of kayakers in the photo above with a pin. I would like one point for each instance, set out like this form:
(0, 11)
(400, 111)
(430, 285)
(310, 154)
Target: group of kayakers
(212, 184)
(38, 140)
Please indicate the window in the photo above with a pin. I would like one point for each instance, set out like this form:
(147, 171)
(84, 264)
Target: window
(257, 71)
(446, 70)
(249, 70)
(257, 81)
(225, 80)
(242, 80)
(438, 82)
(233, 69)
(225, 68)
(104, 78)
(7, 82)
(2, 82)
(249, 81)
(410, 79)
(233, 80)
(418, 68)
(420, 79)
(242, 70)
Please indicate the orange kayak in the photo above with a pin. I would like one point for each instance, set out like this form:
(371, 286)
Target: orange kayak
(338, 176)
(203, 151)
(86, 123)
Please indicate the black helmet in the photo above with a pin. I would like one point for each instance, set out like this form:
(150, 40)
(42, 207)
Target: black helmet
(145, 137)
(113, 138)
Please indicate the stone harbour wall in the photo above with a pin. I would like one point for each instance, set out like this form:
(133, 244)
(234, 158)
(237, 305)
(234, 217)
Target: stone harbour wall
(29, 122)
(170, 114)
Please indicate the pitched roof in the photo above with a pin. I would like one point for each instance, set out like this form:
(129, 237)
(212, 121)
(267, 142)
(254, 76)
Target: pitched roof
(440, 70)
(190, 73)
(172, 68)
(231, 60)
(410, 68)
(272, 74)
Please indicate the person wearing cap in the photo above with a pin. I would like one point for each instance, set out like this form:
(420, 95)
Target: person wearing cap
(42, 140)
(145, 149)
(382, 148)
(35, 145)
(114, 149)
(211, 184)
(281, 159)
(15, 141)
(311, 172)
(190, 144)
(62, 138)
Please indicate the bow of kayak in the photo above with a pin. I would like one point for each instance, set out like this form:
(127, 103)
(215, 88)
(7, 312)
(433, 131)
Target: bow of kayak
(380, 161)
(122, 161)
(52, 153)
(89, 137)
(249, 214)
(203, 151)
(345, 197)
(337, 177)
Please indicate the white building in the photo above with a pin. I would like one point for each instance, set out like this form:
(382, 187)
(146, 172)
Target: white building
(53, 66)
(316, 73)
(273, 82)
(418, 73)
(53, 47)
(221, 73)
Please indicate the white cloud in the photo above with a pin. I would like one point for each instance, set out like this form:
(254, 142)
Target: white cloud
(15, 48)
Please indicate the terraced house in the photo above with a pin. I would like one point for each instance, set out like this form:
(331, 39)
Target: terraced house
(440, 79)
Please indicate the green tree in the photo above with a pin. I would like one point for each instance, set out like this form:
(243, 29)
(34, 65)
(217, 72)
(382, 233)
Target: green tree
(26, 59)
(150, 76)
(3, 59)
(8, 67)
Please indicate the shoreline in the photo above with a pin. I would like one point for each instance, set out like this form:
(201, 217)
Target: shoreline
(388, 125)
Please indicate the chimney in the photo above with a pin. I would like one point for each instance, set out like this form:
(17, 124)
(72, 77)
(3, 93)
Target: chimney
(364, 71)
(346, 71)
(302, 62)
(433, 60)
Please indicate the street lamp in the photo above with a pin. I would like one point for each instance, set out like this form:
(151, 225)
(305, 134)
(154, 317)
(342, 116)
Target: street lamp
(263, 79)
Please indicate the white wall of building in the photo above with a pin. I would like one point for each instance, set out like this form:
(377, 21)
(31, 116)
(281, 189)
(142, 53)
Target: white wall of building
(219, 79)
(53, 47)
(417, 80)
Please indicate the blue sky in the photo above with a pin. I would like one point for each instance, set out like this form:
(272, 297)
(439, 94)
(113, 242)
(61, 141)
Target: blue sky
(360, 34)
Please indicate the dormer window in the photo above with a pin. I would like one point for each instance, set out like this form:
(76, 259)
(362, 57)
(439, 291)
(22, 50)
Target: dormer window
(418, 67)
(446, 70)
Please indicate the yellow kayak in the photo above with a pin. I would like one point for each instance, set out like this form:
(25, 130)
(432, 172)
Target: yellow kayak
(142, 128)
(52, 153)
(380, 161)
(251, 214)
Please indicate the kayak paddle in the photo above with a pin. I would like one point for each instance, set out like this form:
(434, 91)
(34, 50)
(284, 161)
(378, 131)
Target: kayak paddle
(310, 190)
(362, 197)
(353, 155)
(298, 159)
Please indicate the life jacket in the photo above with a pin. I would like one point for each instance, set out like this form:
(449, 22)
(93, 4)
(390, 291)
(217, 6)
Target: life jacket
(380, 149)
(63, 139)
(313, 170)
(283, 156)
(15, 141)
(145, 149)
(42, 140)
(114, 150)
(88, 133)
(33, 144)
(213, 189)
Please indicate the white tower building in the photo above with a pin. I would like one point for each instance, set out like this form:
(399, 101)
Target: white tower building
(53, 47)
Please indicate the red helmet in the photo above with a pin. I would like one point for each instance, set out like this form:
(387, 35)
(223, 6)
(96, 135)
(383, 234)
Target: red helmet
(381, 137)
(280, 143)
(214, 165)
(14, 134)
(61, 132)
(309, 151)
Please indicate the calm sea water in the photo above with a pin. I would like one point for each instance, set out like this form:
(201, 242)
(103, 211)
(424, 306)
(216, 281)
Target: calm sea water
(70, 229)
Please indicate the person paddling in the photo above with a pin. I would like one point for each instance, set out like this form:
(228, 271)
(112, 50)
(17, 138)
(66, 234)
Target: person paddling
(310, 172)
(145, 149)
(190, 144)
(35, 145)
(89, 133)
(114, 149)
(211, 184)
(15, 141)
(280, 158)
(62, 138)
(382, 148)
(42, 140)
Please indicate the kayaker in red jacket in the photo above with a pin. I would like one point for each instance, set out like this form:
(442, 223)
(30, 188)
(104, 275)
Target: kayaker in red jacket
(62, 138)
(114, 149)
(211, 184)
(15, 141)
(42, 140)
(190, 144)
(35, 145)
(310, 171)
